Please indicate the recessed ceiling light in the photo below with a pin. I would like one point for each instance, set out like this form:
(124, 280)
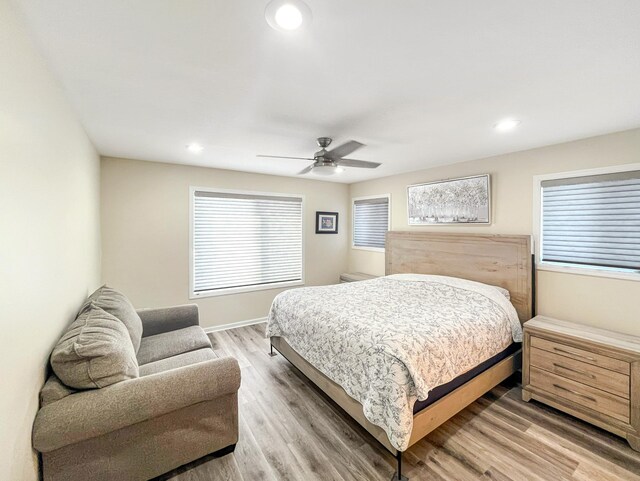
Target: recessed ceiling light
(287, 15)
(506, 125)
(195, 148)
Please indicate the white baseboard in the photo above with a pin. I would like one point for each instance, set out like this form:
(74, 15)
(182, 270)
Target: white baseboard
(233, 325)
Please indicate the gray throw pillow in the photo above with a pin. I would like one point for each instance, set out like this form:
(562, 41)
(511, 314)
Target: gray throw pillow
(116, 304)
(95, 352)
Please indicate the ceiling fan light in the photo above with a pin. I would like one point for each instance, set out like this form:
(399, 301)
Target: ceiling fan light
(326, 169)
(287, 15)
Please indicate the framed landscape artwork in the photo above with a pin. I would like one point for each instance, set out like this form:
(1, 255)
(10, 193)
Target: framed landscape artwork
(455, 201)
(326, 222)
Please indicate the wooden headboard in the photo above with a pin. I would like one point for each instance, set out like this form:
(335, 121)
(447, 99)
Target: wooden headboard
(499, 260)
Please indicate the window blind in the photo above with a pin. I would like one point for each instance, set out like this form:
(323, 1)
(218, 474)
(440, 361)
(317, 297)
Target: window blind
(370, 222)
(592, 220)
(242, 240)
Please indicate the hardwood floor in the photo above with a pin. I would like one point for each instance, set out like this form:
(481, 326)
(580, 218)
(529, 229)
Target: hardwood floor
(289, 430)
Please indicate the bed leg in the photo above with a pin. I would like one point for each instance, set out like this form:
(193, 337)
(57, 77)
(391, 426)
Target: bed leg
(272, 353)
(397, 476)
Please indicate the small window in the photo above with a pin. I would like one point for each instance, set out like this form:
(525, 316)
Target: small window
(370, 222)
(592, 221)
(244, 241)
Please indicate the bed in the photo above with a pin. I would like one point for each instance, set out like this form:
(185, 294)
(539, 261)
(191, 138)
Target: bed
(403, 353)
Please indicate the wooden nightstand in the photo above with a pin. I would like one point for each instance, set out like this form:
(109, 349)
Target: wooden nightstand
(355, 277)
(590, 373)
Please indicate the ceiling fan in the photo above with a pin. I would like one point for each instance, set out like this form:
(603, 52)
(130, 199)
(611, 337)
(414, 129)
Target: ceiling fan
(327, 162)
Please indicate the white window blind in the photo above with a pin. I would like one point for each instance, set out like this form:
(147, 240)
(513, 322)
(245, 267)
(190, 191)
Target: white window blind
(370, 222)
(245, 240)
(592, 221)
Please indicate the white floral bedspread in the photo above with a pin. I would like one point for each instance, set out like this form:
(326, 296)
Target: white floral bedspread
(389, 341)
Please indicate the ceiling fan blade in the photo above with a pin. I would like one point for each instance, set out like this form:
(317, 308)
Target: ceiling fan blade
(283, 157)
(358, 163)
(344, 150)
(306, 170)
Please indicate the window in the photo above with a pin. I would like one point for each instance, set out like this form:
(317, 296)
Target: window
(591, 221)
(370, 222)
(244, 241)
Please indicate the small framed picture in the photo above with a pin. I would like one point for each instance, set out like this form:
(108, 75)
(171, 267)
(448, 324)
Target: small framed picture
(326, 222)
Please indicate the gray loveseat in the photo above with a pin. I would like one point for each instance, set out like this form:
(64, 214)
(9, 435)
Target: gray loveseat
(137, 394)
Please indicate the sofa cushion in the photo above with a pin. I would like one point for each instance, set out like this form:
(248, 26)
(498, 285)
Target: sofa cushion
(54, 390)
(180, 360)
(172, 343)
(94, 352)
(116, 304)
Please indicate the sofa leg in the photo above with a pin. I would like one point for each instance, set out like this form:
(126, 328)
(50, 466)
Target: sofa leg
(272, 353)
(224, 451)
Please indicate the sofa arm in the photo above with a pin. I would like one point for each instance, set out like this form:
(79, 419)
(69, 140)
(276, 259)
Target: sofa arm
(165, 319)
(95, 412)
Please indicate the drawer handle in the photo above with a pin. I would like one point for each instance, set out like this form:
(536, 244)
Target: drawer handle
(575, 392)
(574, 354)
(587, 374)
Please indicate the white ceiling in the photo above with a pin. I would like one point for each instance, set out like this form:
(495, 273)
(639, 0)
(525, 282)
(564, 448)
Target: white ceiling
(420, 82)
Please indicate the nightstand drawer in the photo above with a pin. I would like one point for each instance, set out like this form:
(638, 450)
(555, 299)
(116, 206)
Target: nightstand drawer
(581, 394)
(594, 376)
(581, 355)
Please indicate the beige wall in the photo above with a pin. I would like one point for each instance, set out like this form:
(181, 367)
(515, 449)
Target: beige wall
(49, 233)
(598, 301)
(145, 225)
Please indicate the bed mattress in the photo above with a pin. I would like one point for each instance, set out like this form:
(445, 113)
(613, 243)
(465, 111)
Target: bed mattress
(444, 389)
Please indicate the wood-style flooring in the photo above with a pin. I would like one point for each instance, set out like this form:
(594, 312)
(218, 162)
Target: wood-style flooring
(289, 430)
